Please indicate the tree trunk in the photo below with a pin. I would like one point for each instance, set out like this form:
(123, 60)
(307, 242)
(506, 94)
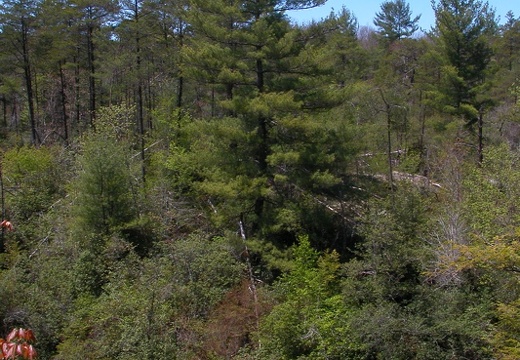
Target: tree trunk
(480, 148)
(140, 114)
(263, 149)
(28, 82)
(388, 108)
(389, 145)
(77, 111)
(92, 70)
(180, 86)
(4, 112)
(2, 202)
(64, 105)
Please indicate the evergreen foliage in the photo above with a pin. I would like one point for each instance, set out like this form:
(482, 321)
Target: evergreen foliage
(209, 180)
(395, 20)
(464, 29)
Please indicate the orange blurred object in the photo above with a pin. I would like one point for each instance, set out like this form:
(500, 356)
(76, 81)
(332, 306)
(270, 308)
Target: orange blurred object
(7, 224)
(17, 344)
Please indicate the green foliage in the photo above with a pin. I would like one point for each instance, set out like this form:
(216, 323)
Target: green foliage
(262, 140)
(256, 130)
(462, 30)
(151, 307)
(454, 326)
(311, 322)
(388, 292)
(506, 339)
(116, 120)
(34, 177)
(13, 288)
(51, 291)
(494, 266)
(217, 166)
(491, 194)
(308, 156)
(105, 186)
(203, 270)
(395, 20)
(88, 273)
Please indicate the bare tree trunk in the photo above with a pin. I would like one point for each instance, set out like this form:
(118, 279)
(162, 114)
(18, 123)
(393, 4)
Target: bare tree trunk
(387, 110)
(480, 145)
(28, 82)
(140, 114)
(2, 202)
(252, 280)
(64, 105)
(263, 149)
(77, 110)
(389, 147)
(4, 112)
(180, 86)
(92, 70)
(150, 103)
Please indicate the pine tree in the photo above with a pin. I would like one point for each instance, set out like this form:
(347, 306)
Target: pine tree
(462, 31)
(395, 20)
(249, 55)
(17, 20)
(91, 18)
(510, 44)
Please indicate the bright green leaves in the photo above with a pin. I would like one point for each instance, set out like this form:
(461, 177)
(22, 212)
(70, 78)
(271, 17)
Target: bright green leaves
(496, 265)
(506, 339)
(27, 164)
(217, 167)
(311, 322)
(499, 254)
(271, 105)
(492, 194)
(106, 189)
(34, 178)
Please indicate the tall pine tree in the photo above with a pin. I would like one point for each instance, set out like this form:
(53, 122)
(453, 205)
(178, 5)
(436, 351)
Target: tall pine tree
(462, 32)
(395, 21)
(269, 150)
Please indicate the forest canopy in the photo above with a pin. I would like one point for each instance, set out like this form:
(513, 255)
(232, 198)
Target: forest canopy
(210, 180)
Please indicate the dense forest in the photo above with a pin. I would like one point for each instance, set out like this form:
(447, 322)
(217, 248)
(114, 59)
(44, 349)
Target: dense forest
(207, 179)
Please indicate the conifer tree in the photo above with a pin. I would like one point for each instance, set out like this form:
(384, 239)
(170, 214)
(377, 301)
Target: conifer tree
(92, 16)
(249, 55)
(507, 54)
(462, 30)
(510, 43)
(61, 43)
(395, 20)
(17, 21)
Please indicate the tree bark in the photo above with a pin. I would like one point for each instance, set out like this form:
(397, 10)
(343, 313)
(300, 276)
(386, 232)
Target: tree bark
(140, 114)
(28, 81)
(64, 105)
(480, 145)
(92, 69)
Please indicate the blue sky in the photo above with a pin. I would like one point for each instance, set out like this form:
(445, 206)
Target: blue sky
(365, 10)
